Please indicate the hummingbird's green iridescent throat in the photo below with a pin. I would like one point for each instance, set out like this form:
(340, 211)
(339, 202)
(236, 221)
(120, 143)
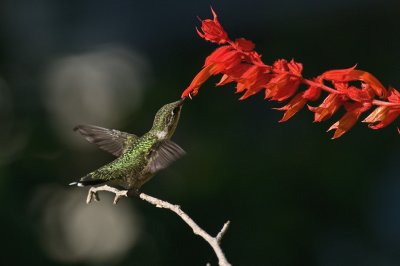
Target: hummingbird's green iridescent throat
(138, 158)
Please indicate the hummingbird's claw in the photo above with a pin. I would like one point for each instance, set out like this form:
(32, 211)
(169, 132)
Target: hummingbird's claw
(92, 196)
(190, 96)
(116, 199)
(96, 196)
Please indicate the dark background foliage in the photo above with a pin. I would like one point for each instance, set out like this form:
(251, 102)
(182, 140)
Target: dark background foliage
(294, 196)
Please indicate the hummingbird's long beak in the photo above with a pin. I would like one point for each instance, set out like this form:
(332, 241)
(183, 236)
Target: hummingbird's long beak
(180, 102)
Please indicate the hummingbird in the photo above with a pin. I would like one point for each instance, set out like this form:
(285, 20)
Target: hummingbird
(138, 158)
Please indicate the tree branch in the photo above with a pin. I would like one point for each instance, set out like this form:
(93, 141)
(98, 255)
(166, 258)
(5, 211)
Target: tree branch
(214, 242)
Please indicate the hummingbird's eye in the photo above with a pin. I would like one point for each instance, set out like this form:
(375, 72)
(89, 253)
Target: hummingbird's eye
(176, 109)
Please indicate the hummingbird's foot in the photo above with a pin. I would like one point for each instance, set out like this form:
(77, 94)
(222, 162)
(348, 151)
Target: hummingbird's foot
(119, 195)
(93, 196)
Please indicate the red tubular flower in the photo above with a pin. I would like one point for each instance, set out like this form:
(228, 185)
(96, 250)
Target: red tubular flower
(199, 79)
(212, 30)
(348, 120)
(286, 80)
(225, 56)
(362, 102)
(352, 74)
(382, 116)
(298, 102)
(293, 106)
(234, 74)
(222, 59)
(282, 87)
(251, 80)
(393, 95)
(327, 108)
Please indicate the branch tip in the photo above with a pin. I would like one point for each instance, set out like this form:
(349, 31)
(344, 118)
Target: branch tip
(214, 242)
(221, 233)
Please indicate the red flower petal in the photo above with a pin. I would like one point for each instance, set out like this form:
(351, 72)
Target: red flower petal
(338, 74)
(352, 74)
(327, 108)
(226, 55)
(244, 45)
(281, 87)
(368, 78)
(376, 116)
(348, 120)
(295, 68)
(360, 95)
(382, 116)
(234, 74)
(253, 80)
(280, 66)
(393, 95)
(312, 93)
(293, 106)
(199, 79)
(390, 116)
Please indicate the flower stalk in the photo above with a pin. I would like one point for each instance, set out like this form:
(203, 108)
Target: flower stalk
(354, 90)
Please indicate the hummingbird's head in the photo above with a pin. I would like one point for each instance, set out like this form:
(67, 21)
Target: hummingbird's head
(166, 119)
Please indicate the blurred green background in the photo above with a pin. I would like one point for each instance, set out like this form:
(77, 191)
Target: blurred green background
(294, 196)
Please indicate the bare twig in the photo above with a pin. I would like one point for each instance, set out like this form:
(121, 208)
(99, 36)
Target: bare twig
(223, 231)
(214, 242)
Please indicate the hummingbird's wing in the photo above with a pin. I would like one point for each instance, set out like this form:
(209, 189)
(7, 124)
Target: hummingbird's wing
(163, 154)
(111, 140)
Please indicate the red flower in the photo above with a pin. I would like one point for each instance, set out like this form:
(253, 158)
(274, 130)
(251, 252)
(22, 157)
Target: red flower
(225, 56)
(393, 95)
(352, 74)
(348, 120)
(212, 30)
(281, 87)
(198, 80)
(327, 108)
(253, 80)
(293, 106)
(286, 82)
(222, 59)
(298, 102)
(382, 116)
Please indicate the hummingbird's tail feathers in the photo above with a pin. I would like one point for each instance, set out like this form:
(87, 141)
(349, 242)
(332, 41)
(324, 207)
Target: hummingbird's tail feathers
(84, 183)
(78, 184)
